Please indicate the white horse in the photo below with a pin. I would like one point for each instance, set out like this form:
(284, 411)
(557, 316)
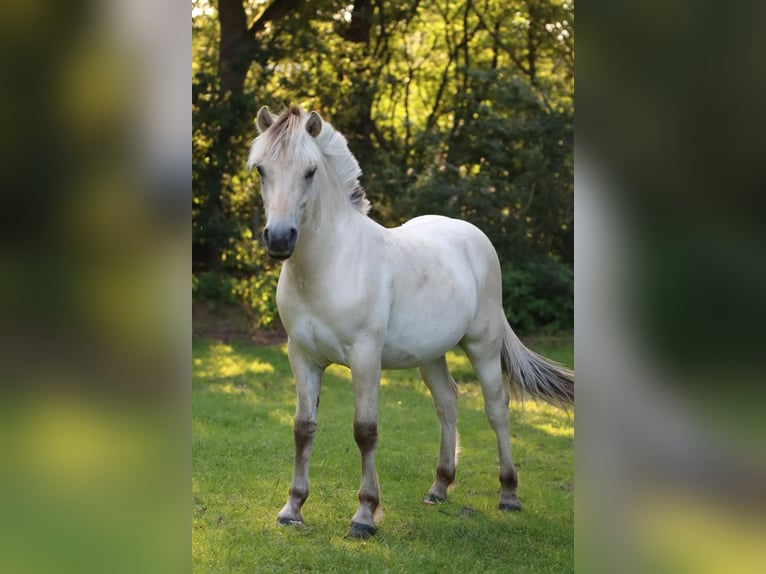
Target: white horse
(354, 293)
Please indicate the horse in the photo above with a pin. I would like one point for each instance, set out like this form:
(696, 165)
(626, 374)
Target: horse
(355, 293)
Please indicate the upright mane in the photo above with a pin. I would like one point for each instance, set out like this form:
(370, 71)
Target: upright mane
(288, 133)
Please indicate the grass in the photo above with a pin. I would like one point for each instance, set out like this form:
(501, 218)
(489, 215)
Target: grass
(243, 403)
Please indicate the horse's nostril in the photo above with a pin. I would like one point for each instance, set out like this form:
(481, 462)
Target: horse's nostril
(266, 236)
(293, 235)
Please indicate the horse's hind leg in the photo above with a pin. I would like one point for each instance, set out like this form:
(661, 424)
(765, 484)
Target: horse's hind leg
(444, 393)
(307, 383)
(486, 362)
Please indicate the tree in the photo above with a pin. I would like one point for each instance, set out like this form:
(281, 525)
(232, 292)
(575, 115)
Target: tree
(463, 108)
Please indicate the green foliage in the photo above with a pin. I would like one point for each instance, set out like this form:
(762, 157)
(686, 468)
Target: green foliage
(539, 293)
(243, 403)
(259, 293)
(459, 108)
(256, 292)
(224, 200)
(213, 286)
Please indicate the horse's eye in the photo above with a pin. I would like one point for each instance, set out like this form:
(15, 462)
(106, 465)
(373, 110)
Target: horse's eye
(310, 173)
(259, 169)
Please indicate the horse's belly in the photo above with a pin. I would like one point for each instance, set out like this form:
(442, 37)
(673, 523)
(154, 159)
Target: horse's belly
(406, 344)
(432, 309)
(400, 358)
(413, 343)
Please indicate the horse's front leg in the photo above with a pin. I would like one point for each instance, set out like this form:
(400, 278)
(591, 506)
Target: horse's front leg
(365, 373)
(308, 377)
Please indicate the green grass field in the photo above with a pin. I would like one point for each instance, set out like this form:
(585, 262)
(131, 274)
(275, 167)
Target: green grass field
(243, 403)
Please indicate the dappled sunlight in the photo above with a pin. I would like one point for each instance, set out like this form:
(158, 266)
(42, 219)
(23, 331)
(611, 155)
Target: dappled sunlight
(223, 361)
(532, 408)
(257, 367)
(546, 418)
(282, 416)
(555, 430)
(339, 371)
(236, 389)
(456, 359)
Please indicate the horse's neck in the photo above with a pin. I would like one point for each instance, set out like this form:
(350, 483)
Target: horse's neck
(322, 236)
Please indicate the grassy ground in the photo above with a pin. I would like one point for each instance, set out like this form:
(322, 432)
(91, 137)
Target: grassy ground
(243, 403)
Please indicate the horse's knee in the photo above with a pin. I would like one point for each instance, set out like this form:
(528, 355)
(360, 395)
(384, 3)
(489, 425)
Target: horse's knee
(303, 433)
(371, 499)
(366, 435)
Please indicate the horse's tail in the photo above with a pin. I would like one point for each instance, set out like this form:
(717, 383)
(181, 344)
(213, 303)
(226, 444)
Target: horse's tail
(532, 374)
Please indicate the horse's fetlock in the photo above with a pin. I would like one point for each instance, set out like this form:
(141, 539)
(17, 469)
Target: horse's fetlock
(445, 475)
(300, 494)
(509, 480)
(370, 499)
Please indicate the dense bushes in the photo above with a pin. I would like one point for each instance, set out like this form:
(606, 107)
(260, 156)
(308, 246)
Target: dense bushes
(537, 296)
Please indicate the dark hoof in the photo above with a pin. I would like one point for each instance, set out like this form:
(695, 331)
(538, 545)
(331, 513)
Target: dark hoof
(513, 506)
(361, 531)
(432, 499)
(285, 521)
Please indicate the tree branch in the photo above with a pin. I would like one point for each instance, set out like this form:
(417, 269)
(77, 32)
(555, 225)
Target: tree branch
(273, 12)
(530, 73)
(439, 94)
(496, 37)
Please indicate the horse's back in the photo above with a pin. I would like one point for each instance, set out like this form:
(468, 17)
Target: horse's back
(460, 244)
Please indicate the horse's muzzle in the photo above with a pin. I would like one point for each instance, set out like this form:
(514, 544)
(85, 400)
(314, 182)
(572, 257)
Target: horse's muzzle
(280, 241)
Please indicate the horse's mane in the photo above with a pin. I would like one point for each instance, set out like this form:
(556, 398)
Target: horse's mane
(288, 133)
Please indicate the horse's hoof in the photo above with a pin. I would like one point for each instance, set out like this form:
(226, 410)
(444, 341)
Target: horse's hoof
(361, 531)
(285, 521)
(513, 506)
(432, 499)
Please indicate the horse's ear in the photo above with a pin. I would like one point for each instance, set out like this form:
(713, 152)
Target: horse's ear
(314, 124)
(264, 119)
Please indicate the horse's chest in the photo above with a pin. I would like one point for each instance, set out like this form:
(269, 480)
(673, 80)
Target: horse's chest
(324, 339)
(320, 340)
(328, 317)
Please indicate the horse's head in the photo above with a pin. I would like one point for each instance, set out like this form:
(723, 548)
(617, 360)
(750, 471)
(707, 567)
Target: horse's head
(294, 154)
(287, 158)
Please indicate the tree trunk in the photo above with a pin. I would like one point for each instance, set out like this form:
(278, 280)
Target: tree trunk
(236, 46)
(359, 126)
(239, 43)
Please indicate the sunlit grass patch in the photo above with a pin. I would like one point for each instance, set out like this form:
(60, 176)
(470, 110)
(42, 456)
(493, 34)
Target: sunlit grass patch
(243, 409)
